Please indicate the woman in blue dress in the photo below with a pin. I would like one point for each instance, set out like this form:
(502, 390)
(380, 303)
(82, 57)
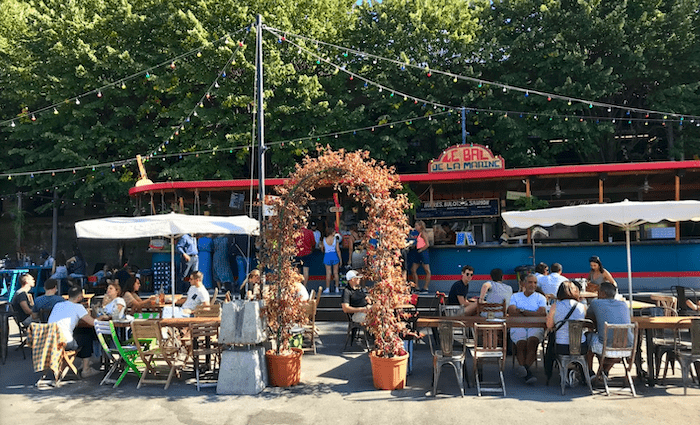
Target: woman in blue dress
(223, 276)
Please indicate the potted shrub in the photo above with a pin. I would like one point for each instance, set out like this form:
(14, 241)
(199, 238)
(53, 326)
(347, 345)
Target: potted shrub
(376, 186)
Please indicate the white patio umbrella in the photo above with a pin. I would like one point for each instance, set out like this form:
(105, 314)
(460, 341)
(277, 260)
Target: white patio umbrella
(168, 225)
(625, 214)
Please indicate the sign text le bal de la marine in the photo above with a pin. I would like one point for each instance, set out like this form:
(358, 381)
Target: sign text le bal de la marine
(466, 157)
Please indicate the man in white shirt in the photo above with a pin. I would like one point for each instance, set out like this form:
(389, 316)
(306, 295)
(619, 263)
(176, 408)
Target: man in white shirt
(68, 315)
(542, 274)
(196, 295)
(527, 303)
(554, 279)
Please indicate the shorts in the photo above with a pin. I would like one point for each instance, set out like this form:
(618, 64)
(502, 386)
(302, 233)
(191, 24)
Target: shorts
(522, 334)
(331, 258)
(303, 261)
(415, 257)
(594, 341)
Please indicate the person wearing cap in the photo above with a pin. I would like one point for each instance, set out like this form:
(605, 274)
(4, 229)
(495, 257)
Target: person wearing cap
(354, 298)
(46, 301)
(317, 234)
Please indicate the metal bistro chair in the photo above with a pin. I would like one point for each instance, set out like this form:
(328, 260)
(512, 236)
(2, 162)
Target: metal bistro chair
(204, 343)
(619, 347)
(354, 331)
(489, 346)
(575, 355)
(120, 357)
(310, 330)
(688, 358)
(446, 354)
(683, 293)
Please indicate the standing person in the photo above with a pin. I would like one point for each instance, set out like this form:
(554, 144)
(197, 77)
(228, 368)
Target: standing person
(205, 247)
(67, 315)
(317, 234)
(331, 259)
(527, 303)
(605, 309)
(305, 246)
(187, 247)
(196, 295)
(354, 298)
(459, 290)
(22, 301)
(598, 274)
(223, 276)
(554, 279)
(495, 291)
(422, 256)
(46, 301)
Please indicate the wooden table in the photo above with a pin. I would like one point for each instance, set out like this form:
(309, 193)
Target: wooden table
(511, 321)
(649, 324)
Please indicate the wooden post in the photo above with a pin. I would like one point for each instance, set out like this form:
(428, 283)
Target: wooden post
(600, 201)
(528, 193)
(678, 198)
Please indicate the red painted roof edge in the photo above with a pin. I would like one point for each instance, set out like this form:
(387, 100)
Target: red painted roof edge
(446, 176)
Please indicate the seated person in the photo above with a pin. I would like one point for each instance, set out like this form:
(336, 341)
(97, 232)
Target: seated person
(495, 291)
(251, 287)
(354, 298)
(22, 301)
(48, 300)
(112, 304)
(691, 305)
(458, 292)
(301, 291)
(130, 294)
(527, 303)
(196, 295)
(67, 315)
(567, 299)
(605, 309)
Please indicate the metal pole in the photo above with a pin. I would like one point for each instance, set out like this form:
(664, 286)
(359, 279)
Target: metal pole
(54, 226)
(172, 271)
(464, 126)
(261, 119)
(629, 267)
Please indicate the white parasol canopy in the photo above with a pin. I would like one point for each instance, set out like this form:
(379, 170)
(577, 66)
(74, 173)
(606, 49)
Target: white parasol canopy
(169, 225)
(625, 214)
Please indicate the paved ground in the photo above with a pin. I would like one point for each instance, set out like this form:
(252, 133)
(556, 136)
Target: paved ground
(336, 388)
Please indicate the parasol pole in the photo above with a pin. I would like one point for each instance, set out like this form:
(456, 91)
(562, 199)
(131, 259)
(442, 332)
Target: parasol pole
(629, 267)
(261, 128)
(172, 271)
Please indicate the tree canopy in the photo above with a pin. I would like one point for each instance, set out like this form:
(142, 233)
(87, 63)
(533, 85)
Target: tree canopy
(87, 85)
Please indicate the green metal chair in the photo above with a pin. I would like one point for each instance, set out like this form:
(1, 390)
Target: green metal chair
(120, 357)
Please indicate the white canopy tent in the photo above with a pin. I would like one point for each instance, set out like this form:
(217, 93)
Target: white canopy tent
(169, 225)
(625, 214)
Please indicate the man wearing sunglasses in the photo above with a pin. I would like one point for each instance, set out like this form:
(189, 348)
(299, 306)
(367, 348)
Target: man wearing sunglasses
(459, 290)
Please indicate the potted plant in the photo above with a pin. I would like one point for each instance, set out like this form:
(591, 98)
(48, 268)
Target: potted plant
(376, 186)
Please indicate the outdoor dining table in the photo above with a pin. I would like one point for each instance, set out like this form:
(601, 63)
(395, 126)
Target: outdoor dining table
(648, 324)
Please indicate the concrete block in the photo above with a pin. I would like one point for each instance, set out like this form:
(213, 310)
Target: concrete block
(241, 323)
(242, 372)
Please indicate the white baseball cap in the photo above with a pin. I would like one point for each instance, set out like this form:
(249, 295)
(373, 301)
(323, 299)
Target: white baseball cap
(352, 274)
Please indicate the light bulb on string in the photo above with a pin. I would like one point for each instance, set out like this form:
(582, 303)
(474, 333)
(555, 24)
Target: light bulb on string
(505, 89)
(380, 89)
(99, 94)
(201, 104)
(33, 117)
(352, 78)
(172, 65)
(223, 74)
(454, 80)
(208, 96)
(527, 94)
(569, 102)
(429, 74)
(609, 109)
(216, 84)
(148, 75)
(199, 54)
(480, 84)
(123, 86)
(549, 98)
(374, 62)
(12, 124)
(55, 111)
(77, 101)
(590, 105)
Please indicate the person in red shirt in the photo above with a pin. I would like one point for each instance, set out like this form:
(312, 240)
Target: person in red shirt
(305, 246)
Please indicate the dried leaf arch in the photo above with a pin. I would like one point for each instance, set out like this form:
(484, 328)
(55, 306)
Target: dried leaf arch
(374, 185)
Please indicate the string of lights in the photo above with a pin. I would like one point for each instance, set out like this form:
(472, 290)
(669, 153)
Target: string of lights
(283, 36)
(120, 83)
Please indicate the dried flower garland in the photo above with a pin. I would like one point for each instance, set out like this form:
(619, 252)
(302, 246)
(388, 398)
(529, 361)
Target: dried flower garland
(374, 185)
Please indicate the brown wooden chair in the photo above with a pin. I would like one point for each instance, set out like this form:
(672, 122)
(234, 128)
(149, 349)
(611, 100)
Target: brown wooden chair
(498, 309)
(158, 359)
(215, 297)
(667, 302)
(49, 351)
(618, 347)
(489, 346)
(310, 330)
(204, 338)
(212, 310)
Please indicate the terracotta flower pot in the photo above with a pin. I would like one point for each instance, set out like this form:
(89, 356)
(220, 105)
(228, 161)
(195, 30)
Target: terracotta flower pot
(284, 370)
(389, 373)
